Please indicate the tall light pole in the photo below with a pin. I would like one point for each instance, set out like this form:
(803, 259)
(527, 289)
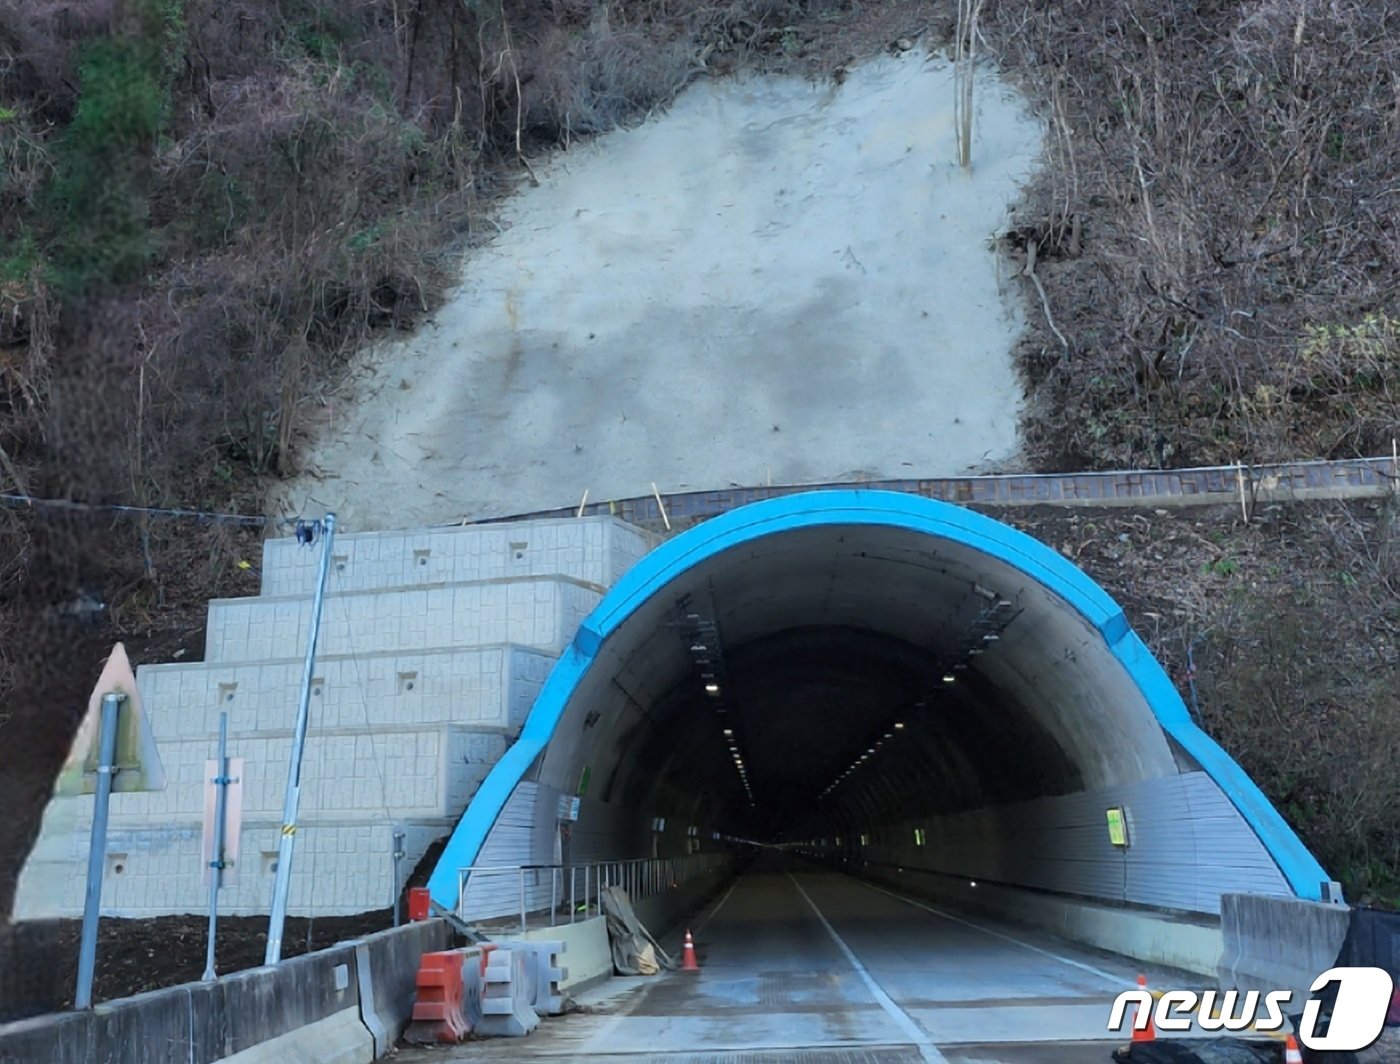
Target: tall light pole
(282, 884)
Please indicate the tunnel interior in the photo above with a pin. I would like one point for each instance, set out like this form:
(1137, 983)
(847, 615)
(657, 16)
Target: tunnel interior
(897, 681)
(831, 680)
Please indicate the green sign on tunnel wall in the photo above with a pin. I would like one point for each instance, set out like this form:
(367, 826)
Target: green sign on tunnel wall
(1117, 827)
(583, 780)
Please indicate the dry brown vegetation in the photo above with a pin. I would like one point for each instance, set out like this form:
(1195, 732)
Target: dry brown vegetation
(1217, 232)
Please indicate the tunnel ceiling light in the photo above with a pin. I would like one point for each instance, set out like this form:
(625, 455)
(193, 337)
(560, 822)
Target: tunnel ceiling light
(986, 628)
(712, 688)
(899, 725)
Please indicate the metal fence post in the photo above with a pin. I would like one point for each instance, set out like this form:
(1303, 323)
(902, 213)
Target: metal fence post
(216, 866)
(97, 848)
(396, 856)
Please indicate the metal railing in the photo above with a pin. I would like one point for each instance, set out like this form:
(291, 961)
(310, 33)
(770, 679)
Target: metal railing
(545, 891)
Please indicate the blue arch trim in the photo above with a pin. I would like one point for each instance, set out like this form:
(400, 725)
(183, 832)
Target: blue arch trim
(864, 507)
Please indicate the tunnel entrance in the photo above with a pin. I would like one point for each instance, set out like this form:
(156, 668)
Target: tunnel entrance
(893, 682)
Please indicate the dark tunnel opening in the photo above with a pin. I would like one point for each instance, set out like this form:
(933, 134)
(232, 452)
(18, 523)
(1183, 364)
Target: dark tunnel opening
(839, 726)
(837, 679)
(891, 683)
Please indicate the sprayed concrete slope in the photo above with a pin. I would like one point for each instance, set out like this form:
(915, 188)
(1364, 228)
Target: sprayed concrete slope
(774, 279)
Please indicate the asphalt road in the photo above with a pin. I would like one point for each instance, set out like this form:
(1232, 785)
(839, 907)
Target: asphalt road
(817, 967)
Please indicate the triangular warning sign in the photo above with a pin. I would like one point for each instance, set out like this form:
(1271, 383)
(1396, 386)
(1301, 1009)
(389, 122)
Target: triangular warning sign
(137, 760)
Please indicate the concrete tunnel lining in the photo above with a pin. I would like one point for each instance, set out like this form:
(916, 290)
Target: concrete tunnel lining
(888, 580)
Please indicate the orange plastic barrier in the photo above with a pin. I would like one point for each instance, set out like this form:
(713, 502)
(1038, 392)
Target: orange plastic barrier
(437, 1009)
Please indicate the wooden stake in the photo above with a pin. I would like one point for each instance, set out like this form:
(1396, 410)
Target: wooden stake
(661, 506)
(1244, 506)
(582, 503)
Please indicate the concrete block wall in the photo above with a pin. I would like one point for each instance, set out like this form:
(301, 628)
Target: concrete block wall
(433, 647)
(541, 612)
(595, 550)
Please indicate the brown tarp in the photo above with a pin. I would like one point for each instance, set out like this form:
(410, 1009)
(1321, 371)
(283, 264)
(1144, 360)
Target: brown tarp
(634, 951)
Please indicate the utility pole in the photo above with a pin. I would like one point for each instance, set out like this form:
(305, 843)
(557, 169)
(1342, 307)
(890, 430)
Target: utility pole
(113, 751)
(97, 849)
(281, 887)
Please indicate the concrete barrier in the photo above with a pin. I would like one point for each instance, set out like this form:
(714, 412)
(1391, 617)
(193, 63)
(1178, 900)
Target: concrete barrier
(587, 955)
(338, 1039)
(298, 1006)
(1278, 943)
(1175, 942)
(386, 967)
(507, 994)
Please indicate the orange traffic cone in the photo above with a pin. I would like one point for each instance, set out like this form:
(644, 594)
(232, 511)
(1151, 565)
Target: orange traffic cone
(1291, 1053)
(688, 963)
(1149, 1032)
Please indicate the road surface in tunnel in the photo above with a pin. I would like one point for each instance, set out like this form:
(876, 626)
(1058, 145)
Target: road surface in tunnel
(800, 964)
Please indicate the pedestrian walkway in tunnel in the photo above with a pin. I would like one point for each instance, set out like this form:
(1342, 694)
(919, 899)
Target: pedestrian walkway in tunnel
(804, 964)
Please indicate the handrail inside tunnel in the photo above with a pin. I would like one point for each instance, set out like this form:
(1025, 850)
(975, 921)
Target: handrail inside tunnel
(929, 538)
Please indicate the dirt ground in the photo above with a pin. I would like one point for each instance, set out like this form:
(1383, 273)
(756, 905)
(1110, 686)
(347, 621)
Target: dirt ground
(39, 962)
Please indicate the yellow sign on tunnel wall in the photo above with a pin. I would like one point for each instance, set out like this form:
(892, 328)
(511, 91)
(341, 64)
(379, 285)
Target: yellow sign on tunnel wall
(1117, 827)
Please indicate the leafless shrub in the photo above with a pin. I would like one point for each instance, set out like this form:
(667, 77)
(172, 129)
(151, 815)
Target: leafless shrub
(594, 80)
(964, 75)
(1224, 181)
(1298, 681)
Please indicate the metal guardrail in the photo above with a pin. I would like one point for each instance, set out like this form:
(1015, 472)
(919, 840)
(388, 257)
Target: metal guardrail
(579, 887)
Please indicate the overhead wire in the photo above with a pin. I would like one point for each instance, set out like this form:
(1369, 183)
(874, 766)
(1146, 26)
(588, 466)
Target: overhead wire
(15, 500)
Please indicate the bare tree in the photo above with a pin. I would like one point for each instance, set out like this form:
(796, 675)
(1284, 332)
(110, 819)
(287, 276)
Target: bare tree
(964, 59)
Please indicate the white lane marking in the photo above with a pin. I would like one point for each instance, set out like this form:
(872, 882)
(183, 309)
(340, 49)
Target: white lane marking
(901, 1019)
(715, 911)
(1116, 980)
